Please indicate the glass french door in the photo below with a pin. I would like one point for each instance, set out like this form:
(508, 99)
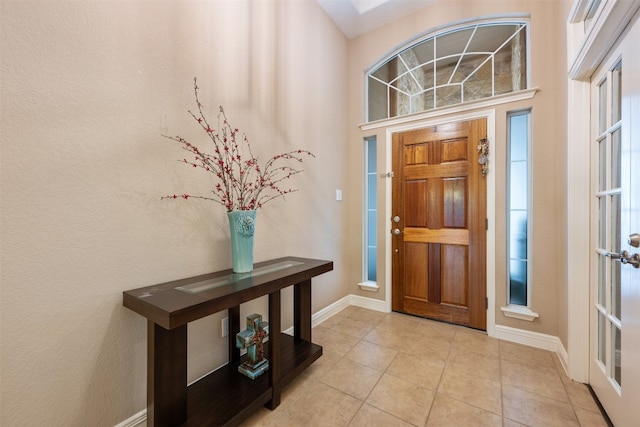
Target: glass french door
(615, 288)
(607, 305)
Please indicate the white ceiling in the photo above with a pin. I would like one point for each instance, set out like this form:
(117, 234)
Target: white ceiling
(356, 17)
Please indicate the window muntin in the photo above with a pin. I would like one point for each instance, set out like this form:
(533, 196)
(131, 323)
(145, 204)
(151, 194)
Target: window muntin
(474, 62)
(591, 12)
(518, 267)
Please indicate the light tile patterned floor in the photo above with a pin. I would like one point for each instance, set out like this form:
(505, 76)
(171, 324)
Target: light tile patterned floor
(380, 369)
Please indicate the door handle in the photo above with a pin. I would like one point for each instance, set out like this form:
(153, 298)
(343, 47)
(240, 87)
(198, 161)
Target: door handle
(396, 231)
(625, 258)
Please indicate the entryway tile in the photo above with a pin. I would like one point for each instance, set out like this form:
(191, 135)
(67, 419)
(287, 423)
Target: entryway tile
(421, 371)
(389, 369)
(372, 355)
(353, 378)
(323, 405)
(472, 389)
(370, 416)
(447, 412)
(402, 399)
(534, 410)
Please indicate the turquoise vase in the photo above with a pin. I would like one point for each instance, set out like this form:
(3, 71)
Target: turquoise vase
(242, 225)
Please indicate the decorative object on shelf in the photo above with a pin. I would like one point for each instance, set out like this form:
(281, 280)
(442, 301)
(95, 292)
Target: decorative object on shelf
(240, 183)
(483, 158)
(252, 339)
(242, 225)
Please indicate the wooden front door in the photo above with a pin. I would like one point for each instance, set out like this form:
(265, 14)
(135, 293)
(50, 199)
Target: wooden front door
(439, 223)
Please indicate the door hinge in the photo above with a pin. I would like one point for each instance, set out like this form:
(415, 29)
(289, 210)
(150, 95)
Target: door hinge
(486, 223)
(487, 302)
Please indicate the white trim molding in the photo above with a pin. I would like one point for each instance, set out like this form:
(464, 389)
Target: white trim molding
(608, 23)
(452, 110)
(586, 50)
(432, 119)
(534, 339)
(579, 201)
(136, 420)
(519, 312)
(369, 286)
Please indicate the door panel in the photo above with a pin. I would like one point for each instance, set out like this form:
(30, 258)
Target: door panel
(455, 190)
(417, 274)
(439, 194)
(454, 279)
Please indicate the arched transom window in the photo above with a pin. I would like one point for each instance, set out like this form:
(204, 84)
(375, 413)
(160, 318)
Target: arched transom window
(468, 63)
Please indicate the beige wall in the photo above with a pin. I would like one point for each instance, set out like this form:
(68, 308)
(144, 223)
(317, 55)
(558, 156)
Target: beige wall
(87, 90)
(548, 73)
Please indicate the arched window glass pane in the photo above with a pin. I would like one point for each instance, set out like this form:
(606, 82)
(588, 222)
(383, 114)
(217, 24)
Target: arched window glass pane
(452, 67)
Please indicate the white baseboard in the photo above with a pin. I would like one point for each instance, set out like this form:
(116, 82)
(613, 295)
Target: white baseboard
(563, 355)
(336, 307)
(534, 339)
(137, 420)
(322, 315)
(370, 303)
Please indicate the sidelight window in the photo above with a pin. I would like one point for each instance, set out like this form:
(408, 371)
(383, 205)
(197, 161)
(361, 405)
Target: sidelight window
(370, 219)
(518, 207)
(519, 216)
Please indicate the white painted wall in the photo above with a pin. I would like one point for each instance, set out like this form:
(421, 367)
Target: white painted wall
(87, 88)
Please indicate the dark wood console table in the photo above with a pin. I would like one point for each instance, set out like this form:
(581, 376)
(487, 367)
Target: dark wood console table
(224, 397)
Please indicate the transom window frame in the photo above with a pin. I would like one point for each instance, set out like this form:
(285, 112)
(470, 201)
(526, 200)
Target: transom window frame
(512, 19)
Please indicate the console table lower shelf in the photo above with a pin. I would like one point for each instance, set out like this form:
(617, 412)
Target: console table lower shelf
(226, 397)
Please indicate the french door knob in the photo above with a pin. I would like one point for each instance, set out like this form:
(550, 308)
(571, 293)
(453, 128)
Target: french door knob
(625, 258)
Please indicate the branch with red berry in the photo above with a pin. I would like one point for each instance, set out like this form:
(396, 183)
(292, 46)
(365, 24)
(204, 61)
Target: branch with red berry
(240, 182)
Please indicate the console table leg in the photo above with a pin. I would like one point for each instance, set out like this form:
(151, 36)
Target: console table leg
(275, 314)
(302, 311)
(166, 375)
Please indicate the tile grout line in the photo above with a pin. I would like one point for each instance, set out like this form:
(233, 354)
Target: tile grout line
(444, 368)
(501, 384)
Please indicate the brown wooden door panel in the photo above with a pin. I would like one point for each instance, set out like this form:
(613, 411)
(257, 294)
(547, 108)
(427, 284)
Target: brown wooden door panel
(425, 235)
(449, 170)
(416, 276)
(436, 311)
(441, 132)
(454, 280)
(439, 194)
(454, 198)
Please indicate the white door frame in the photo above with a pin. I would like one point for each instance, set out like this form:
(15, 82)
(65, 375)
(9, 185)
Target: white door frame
(587, 50)
(489, 115)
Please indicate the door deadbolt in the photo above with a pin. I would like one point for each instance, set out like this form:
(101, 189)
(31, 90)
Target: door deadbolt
(396, 218)
(634, 240)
